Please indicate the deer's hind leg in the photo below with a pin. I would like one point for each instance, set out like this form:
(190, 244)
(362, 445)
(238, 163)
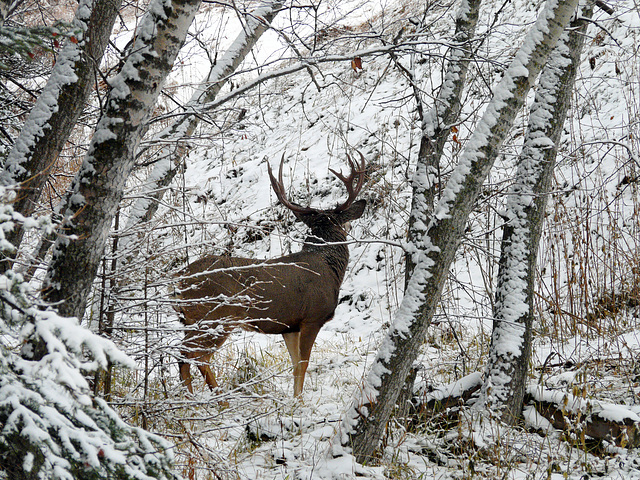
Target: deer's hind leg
(292, 341)
(202, 362)
(198, 348)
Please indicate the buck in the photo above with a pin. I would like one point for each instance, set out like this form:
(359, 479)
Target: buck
(292, 296)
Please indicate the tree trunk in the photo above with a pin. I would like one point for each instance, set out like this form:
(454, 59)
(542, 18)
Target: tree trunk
(57, 109)
(435, 243)
(98, 187)
(510, 350)
(436, 127)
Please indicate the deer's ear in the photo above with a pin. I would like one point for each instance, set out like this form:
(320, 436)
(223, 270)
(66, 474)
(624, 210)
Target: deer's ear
(353, 212)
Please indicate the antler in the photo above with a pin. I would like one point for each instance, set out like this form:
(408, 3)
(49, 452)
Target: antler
(278, 188)
(354, 183)
(357, 175)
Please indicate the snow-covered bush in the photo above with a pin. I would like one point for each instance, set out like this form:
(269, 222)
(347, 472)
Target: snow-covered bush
(51, 427)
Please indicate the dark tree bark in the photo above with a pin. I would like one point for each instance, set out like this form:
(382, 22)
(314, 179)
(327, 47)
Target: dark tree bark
(97, 189)
(57, 109)
(439, 236)
(510, 351)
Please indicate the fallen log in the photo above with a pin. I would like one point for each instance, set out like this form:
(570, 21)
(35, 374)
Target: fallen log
(441, 405)
(543, 409)
(599, 420)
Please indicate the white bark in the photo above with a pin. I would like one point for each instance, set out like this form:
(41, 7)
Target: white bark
(434, 246)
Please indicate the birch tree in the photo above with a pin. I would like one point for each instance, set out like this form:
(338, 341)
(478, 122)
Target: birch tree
(436, 238)
(437, 122)
(95, 193)
(506, 373)
(57, 109)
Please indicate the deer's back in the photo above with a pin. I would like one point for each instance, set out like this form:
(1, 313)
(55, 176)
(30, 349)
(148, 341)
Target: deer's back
(272, 296)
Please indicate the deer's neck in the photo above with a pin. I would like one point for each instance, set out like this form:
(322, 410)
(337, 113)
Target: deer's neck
(331, 246)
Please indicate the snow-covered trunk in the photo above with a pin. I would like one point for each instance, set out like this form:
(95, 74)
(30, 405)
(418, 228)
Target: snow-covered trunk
(505, 382)
(436, 127)
(437, 122)
(57, 109)
(176, 137)
(438, 237)
(97, 189)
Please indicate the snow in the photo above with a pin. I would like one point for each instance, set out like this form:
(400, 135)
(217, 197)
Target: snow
(535, 420)
(289, 133)
(360, 110)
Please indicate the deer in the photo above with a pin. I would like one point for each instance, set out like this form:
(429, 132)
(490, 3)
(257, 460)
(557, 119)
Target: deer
(292, 295)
